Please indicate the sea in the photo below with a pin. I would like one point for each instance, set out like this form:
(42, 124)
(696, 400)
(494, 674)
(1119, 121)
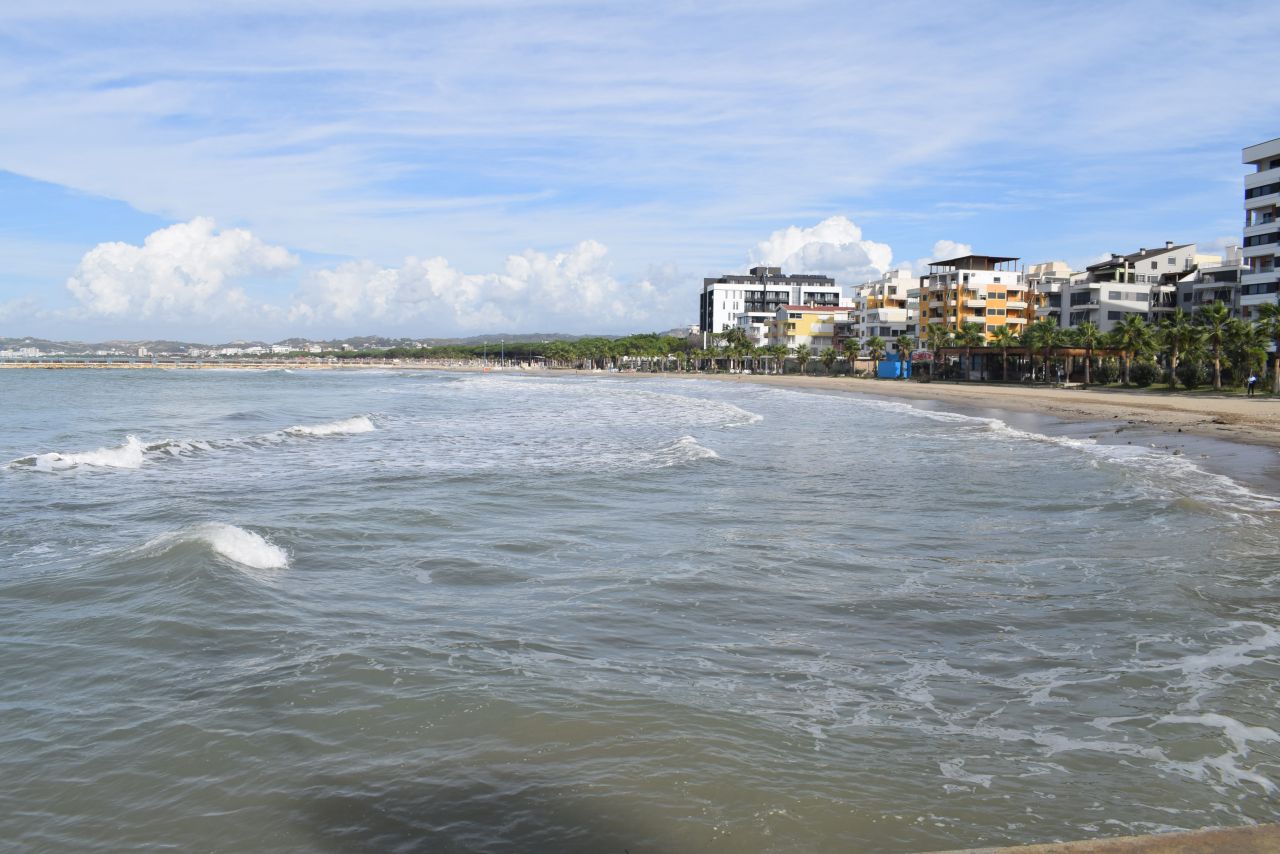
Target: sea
(382, 610)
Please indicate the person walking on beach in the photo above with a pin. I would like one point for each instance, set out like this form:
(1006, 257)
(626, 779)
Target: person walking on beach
(1253, 381)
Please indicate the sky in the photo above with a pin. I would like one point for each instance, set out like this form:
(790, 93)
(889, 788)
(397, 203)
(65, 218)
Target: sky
(279, 168)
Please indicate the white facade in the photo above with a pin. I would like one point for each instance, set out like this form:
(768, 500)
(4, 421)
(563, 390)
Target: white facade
(882, 307)
(1048, 282)
(1260, 278)
(764, 289)
(1143, 283)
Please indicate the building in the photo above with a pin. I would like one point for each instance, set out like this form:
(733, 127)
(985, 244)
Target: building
(1211, 283)
(985, 289)
(763, 291)
(1046, 284)
(1144, 283)
(1260, 274)
(806, 325)
(882, 308)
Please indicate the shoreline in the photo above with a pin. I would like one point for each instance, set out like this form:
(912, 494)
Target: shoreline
(1241, 420)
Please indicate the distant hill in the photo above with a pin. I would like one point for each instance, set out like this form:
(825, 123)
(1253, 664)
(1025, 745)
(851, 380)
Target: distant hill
(360, 342)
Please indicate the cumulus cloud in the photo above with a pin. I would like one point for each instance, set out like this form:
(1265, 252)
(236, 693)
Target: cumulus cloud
(833, 247)
(943, 250)
(534, 290)
(179, 271)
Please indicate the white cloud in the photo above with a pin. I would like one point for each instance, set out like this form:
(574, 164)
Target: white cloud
(943, 250)
(177, 272)
(562, 291)
(833, 247)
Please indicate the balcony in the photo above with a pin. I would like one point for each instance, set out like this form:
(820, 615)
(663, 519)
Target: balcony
(1014, 319)
(975, 303)
(1016, 305)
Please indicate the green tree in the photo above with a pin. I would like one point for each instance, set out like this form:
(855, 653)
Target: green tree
(1214, 319)
(828, 358)
(1179, 337)
(1088, 337)
(1246, 348)
(803, 355)
(1133, 337)
(1269, 323)
(1004, 337)
(779, 352)
(875, 347)
(906, 346)
(936, 337)
(970, 335)
(1043, 335)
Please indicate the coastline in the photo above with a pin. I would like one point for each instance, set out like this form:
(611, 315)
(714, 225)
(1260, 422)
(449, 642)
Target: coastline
(1235, 419)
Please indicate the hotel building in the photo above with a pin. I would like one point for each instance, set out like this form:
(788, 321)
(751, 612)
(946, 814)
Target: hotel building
(1260, 277)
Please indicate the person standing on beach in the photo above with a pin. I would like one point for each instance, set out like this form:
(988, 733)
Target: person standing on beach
(1253, 381)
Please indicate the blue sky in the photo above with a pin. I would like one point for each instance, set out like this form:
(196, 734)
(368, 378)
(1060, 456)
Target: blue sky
(279, 168)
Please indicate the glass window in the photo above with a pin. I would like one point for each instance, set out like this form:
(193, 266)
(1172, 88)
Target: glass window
(1154, 265)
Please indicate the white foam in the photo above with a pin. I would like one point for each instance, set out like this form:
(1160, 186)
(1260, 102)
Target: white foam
(683, 450)
(242, 547)
(356, 424)
(126, 456)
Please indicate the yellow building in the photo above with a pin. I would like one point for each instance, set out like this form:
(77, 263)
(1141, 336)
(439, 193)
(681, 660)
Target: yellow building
(807, 325)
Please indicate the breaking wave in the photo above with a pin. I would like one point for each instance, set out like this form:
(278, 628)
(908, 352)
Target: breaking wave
(358, 424)
(237, 545)
(126, 456)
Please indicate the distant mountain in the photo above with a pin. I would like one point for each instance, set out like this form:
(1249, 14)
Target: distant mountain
(361, 342)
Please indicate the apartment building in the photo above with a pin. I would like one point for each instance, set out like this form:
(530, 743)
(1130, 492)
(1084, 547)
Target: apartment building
(762, 291)
(807, 325)
(1213, 282)
(882, 307)
(1047, 283)
(1260, 273)
(985, 289)
(1143, 283)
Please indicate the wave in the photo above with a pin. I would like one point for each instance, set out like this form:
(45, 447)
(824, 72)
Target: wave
(134, 452)
(127, 456)
(356, 424)
(683, 450)
(237, 545)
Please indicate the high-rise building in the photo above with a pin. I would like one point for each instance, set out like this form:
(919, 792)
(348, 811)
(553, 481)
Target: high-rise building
(761, 292)
(1260, 278)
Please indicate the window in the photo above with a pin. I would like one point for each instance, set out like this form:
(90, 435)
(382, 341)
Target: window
(1187, 297)
(1115, 315)
(996, 280)
(1155, 265)
(1172, 261)
(1115, 295)
(792, 316)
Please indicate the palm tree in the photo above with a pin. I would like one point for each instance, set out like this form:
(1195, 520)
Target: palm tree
(937, 336)
(1004, 337)
(970, 335)
(875, 347)
(1133, 336)
(1246, 348)
(828, 358)
(1269, 322)
(779, 352)
(1213, 319)
(1179, 337)
(803, 355)
(1042, 335)
(1088, 337)
(906, 345)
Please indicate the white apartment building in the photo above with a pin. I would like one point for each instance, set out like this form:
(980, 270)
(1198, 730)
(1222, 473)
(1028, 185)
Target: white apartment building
(1213, 282)
(1260, 276)
(882, 307)
(1143, 283)
(1047, 282)
(762, 291)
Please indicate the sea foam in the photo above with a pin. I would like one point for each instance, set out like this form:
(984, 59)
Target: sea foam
(357, 424)
(126, 456)
(237, 545)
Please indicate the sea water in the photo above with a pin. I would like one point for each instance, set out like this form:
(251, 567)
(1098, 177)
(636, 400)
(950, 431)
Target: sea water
(462, 612)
